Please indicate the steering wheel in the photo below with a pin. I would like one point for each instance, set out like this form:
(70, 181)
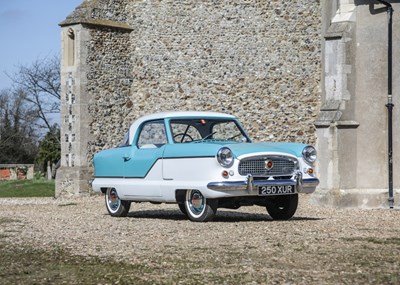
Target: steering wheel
(184, 135)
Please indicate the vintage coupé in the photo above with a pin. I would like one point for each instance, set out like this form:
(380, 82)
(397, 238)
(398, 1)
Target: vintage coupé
(202, 161)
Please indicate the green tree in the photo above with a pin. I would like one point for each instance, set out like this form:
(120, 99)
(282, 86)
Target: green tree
(49, 148)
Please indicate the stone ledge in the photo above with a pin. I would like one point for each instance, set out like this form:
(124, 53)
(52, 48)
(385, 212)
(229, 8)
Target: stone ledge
(320, 124)
(355, 198)
(98, 23)
(336, 31)
(347, 124)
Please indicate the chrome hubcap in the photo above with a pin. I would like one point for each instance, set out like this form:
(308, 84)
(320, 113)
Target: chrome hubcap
(196, 202)
(113, 200)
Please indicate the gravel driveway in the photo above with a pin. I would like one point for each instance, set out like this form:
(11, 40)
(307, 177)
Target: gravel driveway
(319, 245)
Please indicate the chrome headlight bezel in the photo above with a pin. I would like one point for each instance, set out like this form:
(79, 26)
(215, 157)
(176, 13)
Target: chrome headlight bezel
(309, 154)
(225, 157)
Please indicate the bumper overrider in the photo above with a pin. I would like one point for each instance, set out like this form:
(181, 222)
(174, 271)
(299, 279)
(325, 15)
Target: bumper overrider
(251, 185)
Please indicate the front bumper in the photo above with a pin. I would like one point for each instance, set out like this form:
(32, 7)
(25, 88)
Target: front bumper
(307, 185)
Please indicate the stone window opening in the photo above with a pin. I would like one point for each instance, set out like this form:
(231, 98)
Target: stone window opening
(69, 48)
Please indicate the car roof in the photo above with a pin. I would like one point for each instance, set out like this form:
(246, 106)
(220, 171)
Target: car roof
(185, 114)
(181, 114)
(175, 114)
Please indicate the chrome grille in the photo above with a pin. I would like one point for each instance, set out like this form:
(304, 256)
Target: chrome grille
(256, 166)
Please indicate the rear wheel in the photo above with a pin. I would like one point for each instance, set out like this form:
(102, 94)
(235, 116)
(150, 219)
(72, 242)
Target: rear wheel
(199, 208)
(282, 207)
(115, 206)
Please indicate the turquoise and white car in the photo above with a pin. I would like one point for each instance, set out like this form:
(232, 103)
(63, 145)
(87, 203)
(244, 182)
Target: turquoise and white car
(202, 161)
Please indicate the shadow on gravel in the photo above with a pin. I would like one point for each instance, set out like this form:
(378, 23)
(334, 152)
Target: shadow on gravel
(222, 216)
(158, 214)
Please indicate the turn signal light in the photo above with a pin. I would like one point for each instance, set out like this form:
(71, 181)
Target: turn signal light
(225, 174)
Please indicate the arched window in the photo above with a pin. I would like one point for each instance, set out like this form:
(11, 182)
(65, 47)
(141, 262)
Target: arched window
(69, 47)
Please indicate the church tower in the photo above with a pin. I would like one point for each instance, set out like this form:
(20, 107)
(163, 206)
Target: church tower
(73, 177)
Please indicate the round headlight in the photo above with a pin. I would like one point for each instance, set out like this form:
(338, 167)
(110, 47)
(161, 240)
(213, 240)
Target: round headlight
(310, 154)
(225, 157)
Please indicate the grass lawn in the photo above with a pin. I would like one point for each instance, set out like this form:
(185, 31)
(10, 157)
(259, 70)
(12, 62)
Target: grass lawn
(27, 188)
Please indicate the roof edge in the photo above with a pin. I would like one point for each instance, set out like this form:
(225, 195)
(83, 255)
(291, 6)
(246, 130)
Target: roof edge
(98, 23)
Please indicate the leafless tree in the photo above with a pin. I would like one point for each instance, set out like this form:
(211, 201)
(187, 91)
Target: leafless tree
(40, 84)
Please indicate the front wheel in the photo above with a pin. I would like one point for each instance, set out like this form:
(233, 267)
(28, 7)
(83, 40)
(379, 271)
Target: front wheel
(182, 208)
(282, 207)
(199, 208)
(115, 206)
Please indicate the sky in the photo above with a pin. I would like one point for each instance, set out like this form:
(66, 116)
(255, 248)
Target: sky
(29, 31)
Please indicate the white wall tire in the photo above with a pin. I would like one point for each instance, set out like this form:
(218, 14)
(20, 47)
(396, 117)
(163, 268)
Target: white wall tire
(115, 206)
(199, 208)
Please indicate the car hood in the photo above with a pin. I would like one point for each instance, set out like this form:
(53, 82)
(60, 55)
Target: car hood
(241, 149)
(210, 148)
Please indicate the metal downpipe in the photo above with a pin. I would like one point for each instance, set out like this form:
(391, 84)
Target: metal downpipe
(390, 104)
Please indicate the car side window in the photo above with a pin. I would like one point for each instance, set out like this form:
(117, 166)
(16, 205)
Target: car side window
(152, 135)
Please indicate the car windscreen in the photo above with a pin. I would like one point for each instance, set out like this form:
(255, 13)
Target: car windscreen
(188, 130)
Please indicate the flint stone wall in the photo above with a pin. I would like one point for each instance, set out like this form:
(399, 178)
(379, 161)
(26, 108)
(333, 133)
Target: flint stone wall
(258, 60)
(109, 83)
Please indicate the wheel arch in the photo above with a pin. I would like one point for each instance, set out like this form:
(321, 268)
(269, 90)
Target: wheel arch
(180, 195)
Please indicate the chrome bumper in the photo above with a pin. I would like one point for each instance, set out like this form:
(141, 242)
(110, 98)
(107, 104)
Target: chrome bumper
(307, 185)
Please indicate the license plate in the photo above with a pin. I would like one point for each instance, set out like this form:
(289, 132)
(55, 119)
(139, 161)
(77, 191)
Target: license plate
(276, 190)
